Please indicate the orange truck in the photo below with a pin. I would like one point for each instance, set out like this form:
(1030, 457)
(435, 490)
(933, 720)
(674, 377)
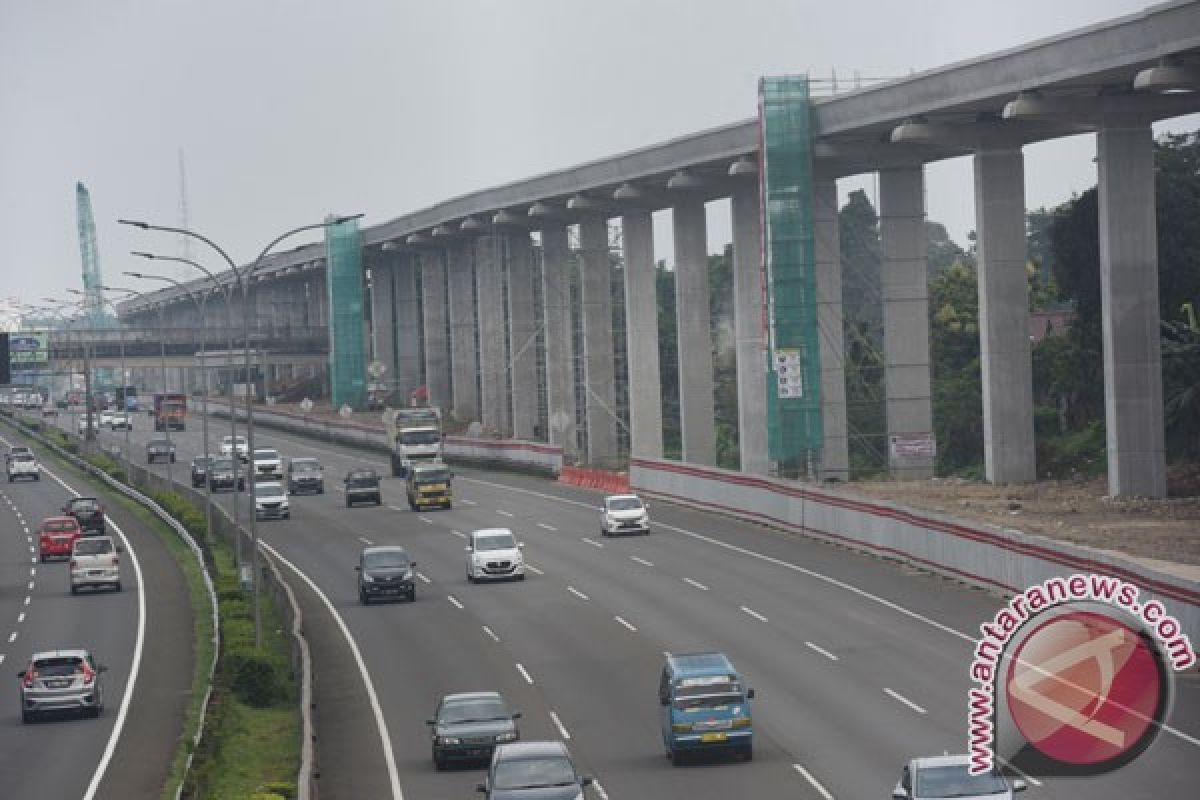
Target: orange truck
(170, 409)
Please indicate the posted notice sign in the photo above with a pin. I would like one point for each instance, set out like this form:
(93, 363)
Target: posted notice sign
(788, 376)
(912, 446)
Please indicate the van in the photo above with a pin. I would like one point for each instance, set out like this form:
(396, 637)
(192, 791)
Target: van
(705, 707)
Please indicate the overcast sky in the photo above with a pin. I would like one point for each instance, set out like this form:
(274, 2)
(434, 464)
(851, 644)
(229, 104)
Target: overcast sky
(289, 109)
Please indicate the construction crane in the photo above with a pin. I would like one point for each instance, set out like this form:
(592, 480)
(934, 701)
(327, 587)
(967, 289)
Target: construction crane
(93, 299)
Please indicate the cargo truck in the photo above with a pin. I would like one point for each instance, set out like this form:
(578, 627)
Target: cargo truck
(170, 409)
(414, 434)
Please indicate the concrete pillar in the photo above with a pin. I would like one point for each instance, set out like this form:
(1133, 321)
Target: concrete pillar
(641, 336)
(595, 290)
(560, 349)
(406, 373)
(1133, 403)
(697, 417)
(383, 322)
(493, 355)
(906, 322)
(1005, 354)
(835, 459)
(522, 334)
(748, 328)
(437, 345)
(460, 277)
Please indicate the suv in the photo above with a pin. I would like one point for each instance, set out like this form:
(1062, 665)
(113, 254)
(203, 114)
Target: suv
(493, 553)
(534, 770)
(160, 448)
(200, 466)
(385, 572)
(23, 465)
(624, 513)
(268, 466)
(362, 485)
(56, 537)
(88, 511)
(94, 562)
(61, 680)
(305, 474)
(220, 475)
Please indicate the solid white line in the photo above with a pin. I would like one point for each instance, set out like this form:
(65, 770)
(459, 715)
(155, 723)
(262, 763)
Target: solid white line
(901, 698)
(641, 561)
(821, 650)
(491, 633)
(821, 790)
(562, 730)
(626, 624)
(525, 674)
(534, 569)
(697, 584)
(380, 722)
(503, 513)
(754, 614)
(454, 601)
(549, 528)
(577, 593)
(603, 795)
(422, 578)
(365, 540)
(592, 542)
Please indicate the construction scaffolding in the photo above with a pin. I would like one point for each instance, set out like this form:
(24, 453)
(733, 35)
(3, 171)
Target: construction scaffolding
(344, 271)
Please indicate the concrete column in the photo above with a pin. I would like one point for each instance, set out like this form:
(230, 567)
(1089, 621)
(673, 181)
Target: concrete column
(641, 336)
(1133, 403)
(595, 284)
(460, 268)
(748, 329)
(697, 417)
(835, 460)
(560, 349)
(383, 322)
(522, 334)
(407, 370)
(906, 320)
(437, 346)
(493, 355)
(1005, 354)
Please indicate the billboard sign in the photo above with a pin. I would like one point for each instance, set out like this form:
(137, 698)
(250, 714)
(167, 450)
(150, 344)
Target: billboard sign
(28, 349)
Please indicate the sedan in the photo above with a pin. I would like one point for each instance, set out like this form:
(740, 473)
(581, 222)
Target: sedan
(468, 726)
(533, 771)
(61, 680)
(947, 776)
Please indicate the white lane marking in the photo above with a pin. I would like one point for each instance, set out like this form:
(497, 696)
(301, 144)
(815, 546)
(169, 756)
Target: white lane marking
(33, 570)
(422, 578)
(549, 528)
(821, 650)
(525, 674)
(641, 561)
(1009, 764)
(626, 624)
(902, 699)
(395, 508)
(468, 502)
(562, 729)
(754, 614)
(534, 569)
(454, 601)
(365, 540)
(425, 519)
(20, 617)
(577, 593)
(459, 534)
(503, 513)
(592, 542)
(31, 585)
(27, 599)
(603, 795)
(34, 560)
(12, 637)
(821, 790)
(380, 722)
(1, 658)
(491, 633)
(31, 548)
(697, 584)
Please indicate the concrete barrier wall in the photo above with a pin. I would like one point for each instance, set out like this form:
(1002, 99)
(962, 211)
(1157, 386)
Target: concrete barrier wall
(979, 554)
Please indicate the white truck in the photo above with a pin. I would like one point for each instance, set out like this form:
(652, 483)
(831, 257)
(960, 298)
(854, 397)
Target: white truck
(415, 434)
(23, 465)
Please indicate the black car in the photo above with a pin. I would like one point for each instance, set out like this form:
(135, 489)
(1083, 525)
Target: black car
(533, 771)
(88, 512)
(468, 726)
(200, 467)
(160, 448)
(362, 486)
(220, 475)
(385, 572)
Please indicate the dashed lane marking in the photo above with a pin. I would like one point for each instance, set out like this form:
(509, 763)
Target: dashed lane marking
(697, 584)
(821, 650)
(547, 527)
(577, 593)
(534, 569)
(641, 561)
(626, 623)
(821, 790)
(491, 633)
(562, 729)
(902, 699)
(454, 601)
(592, 542)
(525, 674)
(754, 614)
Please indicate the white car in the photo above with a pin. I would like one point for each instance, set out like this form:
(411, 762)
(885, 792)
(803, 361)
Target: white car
(23, 465)
(229, 444)
(270, 500)
(94, 562)
(268, 466)
(494, 554)
(120, 420)
(947, 776)
(106, 416)
(624, 513)
(83, 423)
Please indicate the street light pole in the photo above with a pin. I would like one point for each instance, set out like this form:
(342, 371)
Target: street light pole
(89, 433)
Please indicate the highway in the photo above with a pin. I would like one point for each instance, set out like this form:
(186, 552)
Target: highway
(859, 663)
(142, 634)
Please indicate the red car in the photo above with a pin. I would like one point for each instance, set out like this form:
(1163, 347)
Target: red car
(56, 535)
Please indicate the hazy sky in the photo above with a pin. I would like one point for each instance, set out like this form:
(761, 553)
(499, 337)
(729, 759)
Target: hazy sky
(288, 110)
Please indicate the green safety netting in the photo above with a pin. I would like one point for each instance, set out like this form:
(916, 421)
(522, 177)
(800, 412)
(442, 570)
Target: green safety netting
(344, 279)
(794, 425)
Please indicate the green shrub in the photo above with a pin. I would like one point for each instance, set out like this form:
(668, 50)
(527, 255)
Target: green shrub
(254, 679)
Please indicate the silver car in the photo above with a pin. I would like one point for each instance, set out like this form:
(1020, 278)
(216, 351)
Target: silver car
(95, 563)
(947, 776)
(61, 680)
(270, 500)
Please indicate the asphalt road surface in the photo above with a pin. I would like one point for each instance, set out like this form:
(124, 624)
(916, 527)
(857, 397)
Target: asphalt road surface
(859, 663)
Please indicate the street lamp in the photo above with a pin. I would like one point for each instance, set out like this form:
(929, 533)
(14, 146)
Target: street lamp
(121, 330)
(200, 306)
(243, 279)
